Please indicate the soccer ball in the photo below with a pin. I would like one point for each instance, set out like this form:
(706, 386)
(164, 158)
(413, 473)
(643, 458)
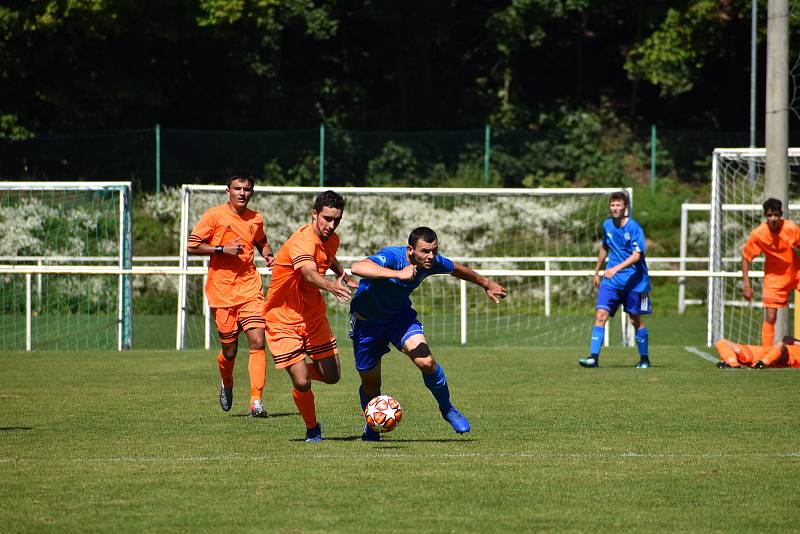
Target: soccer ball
(383, 413)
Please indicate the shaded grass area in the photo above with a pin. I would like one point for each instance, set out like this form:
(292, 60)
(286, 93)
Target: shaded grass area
(136, 441)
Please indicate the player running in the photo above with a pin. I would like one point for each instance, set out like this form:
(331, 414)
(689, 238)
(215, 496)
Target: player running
(229, 233)
(625, 280)
(297, 325)
(381, 313)
(778, 240)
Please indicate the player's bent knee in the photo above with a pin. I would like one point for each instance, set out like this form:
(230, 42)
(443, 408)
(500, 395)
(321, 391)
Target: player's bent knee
(331, 378)
(301, 384)
(427, 365)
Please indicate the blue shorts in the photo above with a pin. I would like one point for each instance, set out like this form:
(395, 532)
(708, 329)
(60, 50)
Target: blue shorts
(371, 340)
(635, 303)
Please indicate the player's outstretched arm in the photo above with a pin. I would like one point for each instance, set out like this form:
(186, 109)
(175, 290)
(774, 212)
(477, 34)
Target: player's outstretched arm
(369, 269)
(343, 277)
(309, 272)
(493, 290)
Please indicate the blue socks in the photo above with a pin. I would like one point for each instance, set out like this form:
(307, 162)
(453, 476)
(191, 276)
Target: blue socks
(437, 383)
(641, 344)
(598, 334)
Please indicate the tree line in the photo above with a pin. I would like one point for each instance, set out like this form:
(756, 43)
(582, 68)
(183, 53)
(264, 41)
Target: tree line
(74, 65)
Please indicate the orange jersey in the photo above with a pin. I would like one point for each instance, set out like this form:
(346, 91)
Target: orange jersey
(794, 356)
(781, 264)
(290, 299)
(232, 280)
(750, 354)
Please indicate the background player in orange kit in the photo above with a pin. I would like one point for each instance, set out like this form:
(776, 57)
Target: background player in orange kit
(229, 233)
(777, 239)
(297, 325)
(736, 355)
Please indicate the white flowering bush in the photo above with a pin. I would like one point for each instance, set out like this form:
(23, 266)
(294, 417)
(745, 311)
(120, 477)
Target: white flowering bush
(75, 225)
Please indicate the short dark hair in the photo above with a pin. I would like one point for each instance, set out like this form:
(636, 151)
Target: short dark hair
(773, 204)
(424, 233)
(330, 199)
(619, 195)
(244, 176)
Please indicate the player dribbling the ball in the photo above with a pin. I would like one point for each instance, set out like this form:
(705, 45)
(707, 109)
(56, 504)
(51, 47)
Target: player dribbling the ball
(381, 313)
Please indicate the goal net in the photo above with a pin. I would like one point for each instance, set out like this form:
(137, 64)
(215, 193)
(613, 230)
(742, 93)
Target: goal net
(737, 196)
(541, 244)
(63, 249)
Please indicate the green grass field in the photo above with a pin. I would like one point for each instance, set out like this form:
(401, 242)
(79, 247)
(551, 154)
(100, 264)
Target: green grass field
(135, 441)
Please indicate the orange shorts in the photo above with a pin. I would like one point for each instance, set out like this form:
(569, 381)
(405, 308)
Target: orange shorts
(240, 318)
(289, 344)
(778, 289)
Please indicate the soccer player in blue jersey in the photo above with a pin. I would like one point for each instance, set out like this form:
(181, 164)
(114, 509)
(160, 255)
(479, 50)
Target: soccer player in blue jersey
(625, 280)
(381, 313)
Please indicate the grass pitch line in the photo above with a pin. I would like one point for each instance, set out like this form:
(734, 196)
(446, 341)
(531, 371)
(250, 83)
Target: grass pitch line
(702, 354)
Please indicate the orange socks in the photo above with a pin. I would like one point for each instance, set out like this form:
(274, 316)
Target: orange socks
(225, 370)
(767, 334)
(304, 400)
(257, 367)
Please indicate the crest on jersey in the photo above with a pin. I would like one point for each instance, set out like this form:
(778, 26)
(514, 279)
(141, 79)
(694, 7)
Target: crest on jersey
(627, 236)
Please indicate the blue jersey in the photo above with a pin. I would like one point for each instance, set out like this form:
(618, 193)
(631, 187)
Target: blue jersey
(378, 300)
(621, 243)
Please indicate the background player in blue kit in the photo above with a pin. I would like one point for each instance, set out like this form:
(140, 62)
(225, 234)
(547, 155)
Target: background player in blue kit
(381, 313)
(625, 280)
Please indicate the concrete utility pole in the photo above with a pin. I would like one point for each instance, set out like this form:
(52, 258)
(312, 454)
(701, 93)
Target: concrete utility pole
(776, 182)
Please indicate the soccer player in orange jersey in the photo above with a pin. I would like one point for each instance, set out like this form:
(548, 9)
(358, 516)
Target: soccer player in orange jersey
(777, 239)
(229, 233)
(736, 355)
(297, 325)
(788, 356)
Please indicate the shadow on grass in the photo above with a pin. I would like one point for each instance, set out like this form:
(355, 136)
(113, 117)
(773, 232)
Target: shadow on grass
(269, 415)
(14, 428)
(387, 444)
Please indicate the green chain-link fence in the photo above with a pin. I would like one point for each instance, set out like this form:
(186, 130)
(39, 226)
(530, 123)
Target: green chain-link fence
(154, 158)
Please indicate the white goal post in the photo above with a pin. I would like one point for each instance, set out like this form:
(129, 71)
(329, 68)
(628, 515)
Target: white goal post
(541, 243)
(82, 304)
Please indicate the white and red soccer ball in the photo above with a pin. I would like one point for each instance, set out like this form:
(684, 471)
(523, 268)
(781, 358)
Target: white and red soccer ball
(383, 413)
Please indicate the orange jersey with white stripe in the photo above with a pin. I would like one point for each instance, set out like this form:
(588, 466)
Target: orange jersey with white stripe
(291, 299)
(232, 280)
(780, 261)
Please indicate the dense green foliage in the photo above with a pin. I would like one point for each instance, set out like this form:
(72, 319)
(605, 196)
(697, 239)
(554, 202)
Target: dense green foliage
(274, 64)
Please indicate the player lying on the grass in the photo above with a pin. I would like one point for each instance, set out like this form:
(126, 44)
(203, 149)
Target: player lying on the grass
(229, 233)
(381, 313)
(738, 355)
(297, 325)
(625, 280)
(777, 239)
